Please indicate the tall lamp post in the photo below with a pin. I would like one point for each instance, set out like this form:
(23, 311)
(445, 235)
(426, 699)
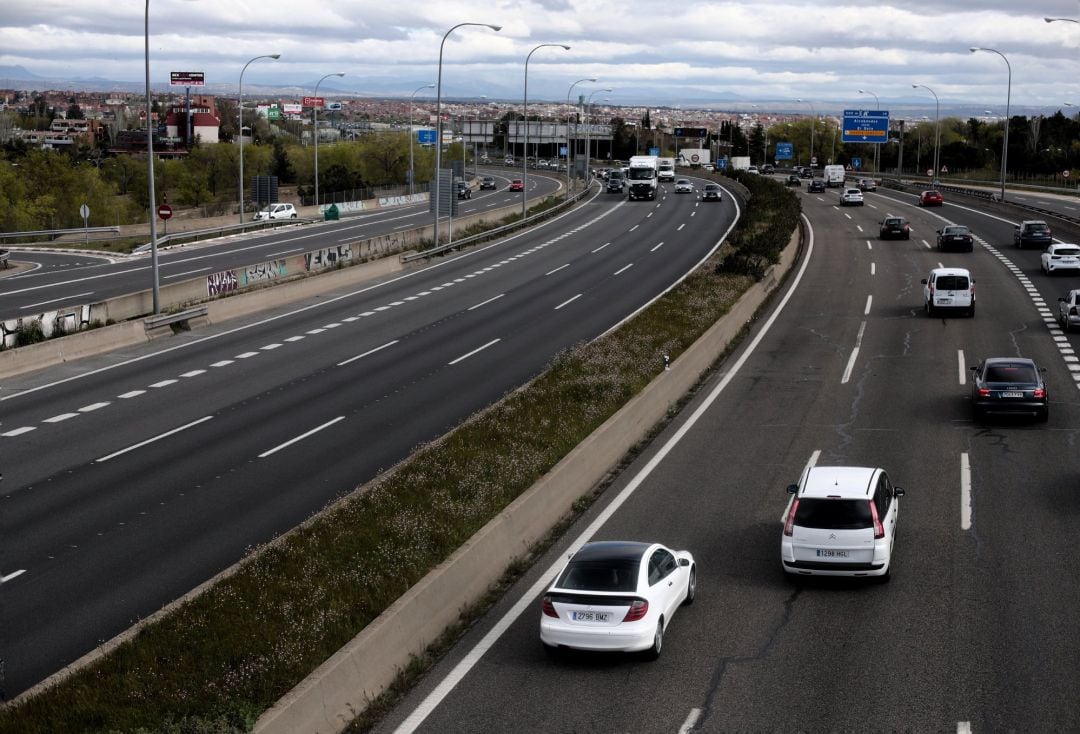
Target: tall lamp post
(1067, 20)
(813, 127)
(315, 129)
(877, 146)
(937, 125)
(1008, 100)
(525, 158)
(150, 163)
(240, 104)
(412, 134)
(588, 129)
(438, 118)
(568, 115)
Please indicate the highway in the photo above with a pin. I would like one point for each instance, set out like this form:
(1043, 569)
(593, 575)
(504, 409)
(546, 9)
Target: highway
(144, 472)
(56, 280)
(974, 632)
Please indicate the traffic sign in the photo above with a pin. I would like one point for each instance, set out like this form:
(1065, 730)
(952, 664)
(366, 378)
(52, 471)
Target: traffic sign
(866, 126)
(164, 211)
(425, 137)
(691, 132)
(721, 163)
(785, 151)
(1065, 174)
(929, 171)
(856, 163)
(84, 212)
(314, 101)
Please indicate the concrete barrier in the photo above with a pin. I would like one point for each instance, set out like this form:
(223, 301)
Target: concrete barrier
(329, 698)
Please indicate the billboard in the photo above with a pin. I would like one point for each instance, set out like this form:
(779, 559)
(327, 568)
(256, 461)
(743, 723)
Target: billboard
(187, 79)
(291, 108)
(866, 126)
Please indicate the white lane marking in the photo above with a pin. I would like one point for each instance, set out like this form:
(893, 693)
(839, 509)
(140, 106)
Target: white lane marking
(54, 300)
(186, 272)
(854, 355)
(60, 418)
(367, 353)
(963, 727)
(658, 246)
(679, 228)
(463, 357)
(869, 300)
(473, 308)
(193, 373)
(962, 366)
(286, 252)
(859, 227)
(558, 268)
(847, 215)
(634, 227)
(248, 355)
(18, 431)
(623, 270)
(270, 347)
(965, 492)
(222, 363)
(873, 268)
(301, 437)
(601, 247)
(164, 383)
(926, 244)
(526, 601)
(691, 720)
(155, 438)
(869, 246)
(92, 407)
(131, 394)
(290, 339)
(568, 302)
(12, 575)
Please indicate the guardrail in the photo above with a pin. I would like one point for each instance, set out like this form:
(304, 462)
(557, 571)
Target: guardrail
(152, 323)
(984, 194)
(59, 232)
(4, 255)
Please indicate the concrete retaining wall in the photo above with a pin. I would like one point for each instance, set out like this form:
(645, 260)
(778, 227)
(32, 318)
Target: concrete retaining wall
(329, 698)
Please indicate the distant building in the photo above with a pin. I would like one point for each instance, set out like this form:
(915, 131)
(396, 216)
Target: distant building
(204, 123)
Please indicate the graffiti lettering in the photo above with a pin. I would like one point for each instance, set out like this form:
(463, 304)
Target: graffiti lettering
(220, 283)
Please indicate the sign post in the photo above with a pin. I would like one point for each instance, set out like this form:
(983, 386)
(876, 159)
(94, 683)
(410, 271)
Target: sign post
(164, 212)
(84, 212)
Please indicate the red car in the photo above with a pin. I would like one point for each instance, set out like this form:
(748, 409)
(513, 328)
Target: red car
(517, 185)
(931, 198)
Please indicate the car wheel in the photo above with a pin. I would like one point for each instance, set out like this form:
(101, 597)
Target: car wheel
(1043, 415)
(691, 587)
(885, 577)
(929, 309)
(971, 311)
(552, 651)
(657, 643)
(978, 414)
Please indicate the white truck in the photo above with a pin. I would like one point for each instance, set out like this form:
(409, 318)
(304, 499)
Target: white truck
(665, 169)
(834, 176)
(740, 162)
(642, 177)
(695, 157)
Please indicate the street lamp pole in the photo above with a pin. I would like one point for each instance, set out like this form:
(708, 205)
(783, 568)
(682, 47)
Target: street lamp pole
(438, 118)
(412, 134)
(568, 114)
(525, 163)
(1008, 100)
(588, 131)
(240, 104)
(315, 129)
(813, 127)
(150, 163)
(937, 126)
(877, 146)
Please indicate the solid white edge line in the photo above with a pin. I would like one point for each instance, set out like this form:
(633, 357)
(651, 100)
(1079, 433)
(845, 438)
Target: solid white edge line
(965, 492)
(152, 440)
(471, 658)
(367, 353)
(301, 437)
(691, 721)
(962, 365)
(854, 355)
(463, 357)
(473, 308)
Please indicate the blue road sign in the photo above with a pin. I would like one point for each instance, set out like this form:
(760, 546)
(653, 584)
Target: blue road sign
(866, 126)
(721, 163)
(562, 151)
(654, 151)
(785, 151)
(425, 137)
(856, 163)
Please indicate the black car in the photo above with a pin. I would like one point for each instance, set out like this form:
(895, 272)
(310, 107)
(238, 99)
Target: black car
(1032, 232)
(768, 169)
(1009, 385)
(487, 182)
(956, 237)
(711, 192)
(806, 172)
(793, 180)
(463, 190)
(817, 186)
(894, 228)
(616, 182)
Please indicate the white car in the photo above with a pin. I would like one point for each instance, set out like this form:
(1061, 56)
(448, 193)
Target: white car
(753, 169)
(1060, 257)
(617, 596)
(683, 186)
(851, 197)
(949, 288)
(841, 521)
(276, 211)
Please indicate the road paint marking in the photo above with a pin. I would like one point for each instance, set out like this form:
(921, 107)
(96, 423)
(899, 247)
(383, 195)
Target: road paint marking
(926, 244)
(558, 269)
(131, 394)
(965, 492)
(963, 727)
(149, 441)
(859, 227)
(18, 431)
(623, 270)
(568, 302)
(313, 332)
(873, 268)
(186, 272)
(54, 300)
(658, 246)
(691, 721)
(92, 407)
(463, 357)
(286, 252)
(301, 437)
(367, 353)
(869, 300)
(12, 575)
(527, 600)
(601, 247)
(854, 355)
(473, 308)
(962, 366)
(679, 228)
(270, 347)
(164, 383)
(248, 355)
(847, 215)
(869, 246)
(634, 227)
(224, 362)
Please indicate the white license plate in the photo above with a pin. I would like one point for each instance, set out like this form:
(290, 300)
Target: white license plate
(944, 301)
(1012, 394)
(832, 553)
(591, 616)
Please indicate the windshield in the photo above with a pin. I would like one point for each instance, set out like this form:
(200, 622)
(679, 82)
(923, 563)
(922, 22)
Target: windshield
(642, 174)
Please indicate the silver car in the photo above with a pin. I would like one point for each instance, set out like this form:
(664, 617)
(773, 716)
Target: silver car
(683, 186)
(1069, 310)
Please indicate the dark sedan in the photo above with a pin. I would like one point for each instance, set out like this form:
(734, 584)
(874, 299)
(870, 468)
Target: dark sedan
(955, 237)
(1032, 232)
(895, 228)
(931, 198)
(1009, 385)
(793, 180)
(817, 186)
(711, 192)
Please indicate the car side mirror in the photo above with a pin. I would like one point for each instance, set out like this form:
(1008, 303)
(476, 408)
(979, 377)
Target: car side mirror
(793, 489)
(923, 281)
(1061, 299)
(684, 562)
(974, 369)
(898, 491)
(938, 231)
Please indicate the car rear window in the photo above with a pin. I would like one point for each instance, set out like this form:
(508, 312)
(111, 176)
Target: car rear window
(1037, 227)
(833, 514)
(952, 283)
(1010, 373)
(614, 575)
(1067, 251)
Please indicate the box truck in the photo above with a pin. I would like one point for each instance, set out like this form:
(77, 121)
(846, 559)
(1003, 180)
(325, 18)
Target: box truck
(642, 177)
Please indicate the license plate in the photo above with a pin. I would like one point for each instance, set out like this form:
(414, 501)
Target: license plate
(944, 301)
(832, 553)
(1012, 394)
(591, 616)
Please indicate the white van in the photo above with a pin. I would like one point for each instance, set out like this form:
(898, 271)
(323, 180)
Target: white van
(834, 176)
(949, 288)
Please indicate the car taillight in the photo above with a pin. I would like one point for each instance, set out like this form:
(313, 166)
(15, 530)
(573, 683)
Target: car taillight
(638, 609)
(1072, 311)
(879, 529)
(549, 608)
(791, 517)
(984, 392)
(1040, 393)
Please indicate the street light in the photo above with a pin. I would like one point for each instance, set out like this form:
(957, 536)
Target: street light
(315, 129)
(588, 130)
(579, 81)
(412, 134)
(937, 125)
(877, 146)
(1008, 99)
(525, 158)
(240, 104)
(150, 162)
(1067, 20)
(438, 119)
(813, 127)
(476, 164)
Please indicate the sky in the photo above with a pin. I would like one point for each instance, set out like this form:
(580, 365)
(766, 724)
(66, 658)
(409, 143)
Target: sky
(697, 53)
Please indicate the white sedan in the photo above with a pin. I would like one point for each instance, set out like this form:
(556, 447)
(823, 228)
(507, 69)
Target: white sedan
(1060, 257)
(617, 596)
(683, 186)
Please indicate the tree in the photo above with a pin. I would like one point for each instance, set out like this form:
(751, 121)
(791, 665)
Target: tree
(74, 112)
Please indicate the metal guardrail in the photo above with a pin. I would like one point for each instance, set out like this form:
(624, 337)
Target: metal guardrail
(168, 319)
(985, 194)
(59, 232)
(4, 255)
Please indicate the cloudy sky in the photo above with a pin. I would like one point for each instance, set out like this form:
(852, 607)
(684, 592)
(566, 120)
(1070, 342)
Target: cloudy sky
(647, 52)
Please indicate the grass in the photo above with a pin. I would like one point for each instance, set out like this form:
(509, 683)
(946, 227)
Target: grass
(224, 657)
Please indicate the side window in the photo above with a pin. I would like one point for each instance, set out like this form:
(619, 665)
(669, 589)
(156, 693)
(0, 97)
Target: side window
(661, 564)
(654, 568)
(884, 495)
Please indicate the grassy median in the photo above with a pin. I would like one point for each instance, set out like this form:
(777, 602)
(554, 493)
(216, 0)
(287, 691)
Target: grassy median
(225, 657)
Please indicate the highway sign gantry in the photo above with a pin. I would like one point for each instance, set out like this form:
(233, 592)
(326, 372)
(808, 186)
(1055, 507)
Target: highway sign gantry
(866, 126)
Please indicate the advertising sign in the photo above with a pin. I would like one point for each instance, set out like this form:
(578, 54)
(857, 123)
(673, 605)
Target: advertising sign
(333, 106)
(314, 101)
(785, 151)
(291, 108)
(866, 126)
(187, 79)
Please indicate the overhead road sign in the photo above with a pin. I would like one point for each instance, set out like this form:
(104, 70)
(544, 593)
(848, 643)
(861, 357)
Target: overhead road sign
(785, 151)
(691, 132)
(425, 137)
(187, 79)
(866, 126)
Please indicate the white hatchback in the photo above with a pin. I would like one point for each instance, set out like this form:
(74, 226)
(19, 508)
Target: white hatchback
(851, 197)
(840, 521)
(1060, 257)
(276, 211)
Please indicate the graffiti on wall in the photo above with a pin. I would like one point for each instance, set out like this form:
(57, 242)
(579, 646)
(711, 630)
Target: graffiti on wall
(62, 321)
(221, 283)
(263, 272)
(327, 257)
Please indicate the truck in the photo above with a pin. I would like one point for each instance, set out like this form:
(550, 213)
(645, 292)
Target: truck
(665, 169)
(740, 162)
(834, 176)
(695, 157)
(642, 177)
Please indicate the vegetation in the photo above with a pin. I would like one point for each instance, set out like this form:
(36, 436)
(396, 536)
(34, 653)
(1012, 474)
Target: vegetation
(224, 657)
